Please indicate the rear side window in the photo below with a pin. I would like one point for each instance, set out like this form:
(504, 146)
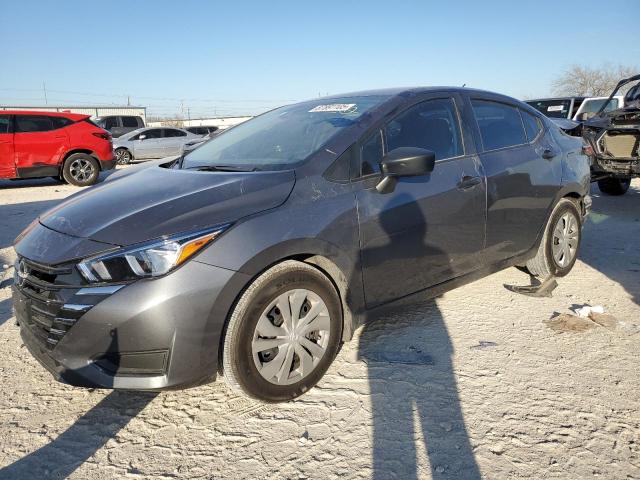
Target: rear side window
(432, 125)
(4, 123)
(172, 132)
(532, 125)
(130, 122)
(500, 124)
(60, 122)
(33, 123)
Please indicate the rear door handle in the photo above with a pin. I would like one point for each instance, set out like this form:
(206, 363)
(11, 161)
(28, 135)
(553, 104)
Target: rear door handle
(468, 181)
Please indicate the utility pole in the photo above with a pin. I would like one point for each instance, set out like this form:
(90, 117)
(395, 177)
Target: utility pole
(44, 89)
(128, 100)
(189, 113)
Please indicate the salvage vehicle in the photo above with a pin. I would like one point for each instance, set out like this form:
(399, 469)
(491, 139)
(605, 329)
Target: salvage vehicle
(614, 137)
(153, 142)
(257, 254)
(66, 146)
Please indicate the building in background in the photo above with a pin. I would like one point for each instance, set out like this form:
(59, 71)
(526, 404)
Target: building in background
(94, 111)
(220, 122)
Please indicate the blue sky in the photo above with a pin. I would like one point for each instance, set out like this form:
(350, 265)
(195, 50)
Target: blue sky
(243, 57)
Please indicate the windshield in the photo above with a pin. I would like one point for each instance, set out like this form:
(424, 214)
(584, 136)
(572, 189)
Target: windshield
(593, 106)
(283, 137)
(552, 108)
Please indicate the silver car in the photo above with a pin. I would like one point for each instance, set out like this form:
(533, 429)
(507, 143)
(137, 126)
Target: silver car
(153, 142)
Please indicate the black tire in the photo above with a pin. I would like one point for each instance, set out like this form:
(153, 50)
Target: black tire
(239, 367)
(614, 186)
(80, 170)
(123, 156)
(544, 263)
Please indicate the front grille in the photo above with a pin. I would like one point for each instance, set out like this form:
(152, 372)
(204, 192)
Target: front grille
(49, 302)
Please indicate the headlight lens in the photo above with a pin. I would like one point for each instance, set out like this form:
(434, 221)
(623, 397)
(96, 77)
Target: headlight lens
(148, 260)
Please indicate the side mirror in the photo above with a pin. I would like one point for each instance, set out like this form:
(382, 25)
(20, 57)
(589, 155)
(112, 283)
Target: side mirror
(404, 162)
(142, 137)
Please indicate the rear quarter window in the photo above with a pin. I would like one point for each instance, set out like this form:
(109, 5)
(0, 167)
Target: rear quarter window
(532, 125)
(60, 122)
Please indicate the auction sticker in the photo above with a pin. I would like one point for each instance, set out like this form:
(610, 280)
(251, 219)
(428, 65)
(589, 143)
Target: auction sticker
(555, 108)
(335, 108)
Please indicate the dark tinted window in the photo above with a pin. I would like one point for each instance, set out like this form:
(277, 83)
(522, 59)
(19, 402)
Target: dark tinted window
(553, 108)
(33, 123)
(371, 154)
(432, 125)
(4, 123)
(60, 122)
(532, 125)
(130, 122)
(110, 123)
(153, 133)
(172, 132)
(500, 124)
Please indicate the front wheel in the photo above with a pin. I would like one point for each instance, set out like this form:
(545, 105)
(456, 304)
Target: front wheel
(80, 170)
(558, 249)
(614, 186)
(283, 333)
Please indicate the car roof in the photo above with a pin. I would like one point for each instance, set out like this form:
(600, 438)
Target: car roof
(69, 115)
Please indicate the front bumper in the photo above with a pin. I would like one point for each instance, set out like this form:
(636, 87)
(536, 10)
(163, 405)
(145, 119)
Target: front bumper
(151, 334)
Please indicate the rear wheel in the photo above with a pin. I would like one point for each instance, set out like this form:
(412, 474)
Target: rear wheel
(123, 156)
(614, 186)
(558, 249)
(283, 333)
(80, 170)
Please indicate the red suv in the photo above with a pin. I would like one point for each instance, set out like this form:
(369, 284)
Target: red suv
(67, 146)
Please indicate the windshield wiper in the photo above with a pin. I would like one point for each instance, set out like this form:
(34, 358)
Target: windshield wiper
(222, 168)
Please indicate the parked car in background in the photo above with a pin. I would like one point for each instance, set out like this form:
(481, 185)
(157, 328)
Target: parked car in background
(153, 142)
(558, 107)
(258, 253)
(592, 105)
(118, 125)
(614, 137)
(68, 146)
(202, 130)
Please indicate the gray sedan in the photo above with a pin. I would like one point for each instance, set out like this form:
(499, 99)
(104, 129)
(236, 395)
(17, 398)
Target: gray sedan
(153, 142)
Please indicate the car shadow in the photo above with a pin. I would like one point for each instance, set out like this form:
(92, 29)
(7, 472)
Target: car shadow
(414, 394)
(16, 216)
(46, 181)
(610, 241)
(62, 456)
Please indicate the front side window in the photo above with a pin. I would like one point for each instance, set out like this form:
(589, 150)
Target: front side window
(4, 123)
(371, 154)
(130, 122)
(284, 137)
(33, 123)
(432, 125)
(532, 125)
(500, 124)
(172, 132)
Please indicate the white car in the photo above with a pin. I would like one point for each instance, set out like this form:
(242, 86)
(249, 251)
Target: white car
(590, 106)
(153, 142)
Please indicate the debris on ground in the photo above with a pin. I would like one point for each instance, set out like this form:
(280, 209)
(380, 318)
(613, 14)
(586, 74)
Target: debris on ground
(536, 289)
(565, 322)
(586, 310)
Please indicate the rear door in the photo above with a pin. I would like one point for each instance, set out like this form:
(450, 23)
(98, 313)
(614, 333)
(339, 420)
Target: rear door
(430, 228)
(172, 141)
(521, 184)
(38, 142)
(7, 158)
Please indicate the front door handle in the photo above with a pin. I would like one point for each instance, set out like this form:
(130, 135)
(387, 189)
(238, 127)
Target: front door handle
(468, 181)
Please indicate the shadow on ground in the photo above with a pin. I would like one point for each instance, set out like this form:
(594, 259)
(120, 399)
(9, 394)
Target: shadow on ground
(62, 456)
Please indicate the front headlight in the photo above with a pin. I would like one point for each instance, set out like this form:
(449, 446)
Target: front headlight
(151, 259)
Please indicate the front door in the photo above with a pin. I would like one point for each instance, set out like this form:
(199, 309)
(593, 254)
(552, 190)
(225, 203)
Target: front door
(7, 158)
(430, 228)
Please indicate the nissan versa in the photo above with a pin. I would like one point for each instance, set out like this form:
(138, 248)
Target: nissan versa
(256, 255)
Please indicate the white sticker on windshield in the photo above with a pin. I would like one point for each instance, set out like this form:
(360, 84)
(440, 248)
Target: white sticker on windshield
(335, 108)
(555, 108)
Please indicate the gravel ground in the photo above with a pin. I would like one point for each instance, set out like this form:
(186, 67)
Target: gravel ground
(473, 384)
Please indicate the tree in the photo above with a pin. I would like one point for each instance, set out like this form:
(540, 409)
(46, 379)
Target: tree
(584, 81)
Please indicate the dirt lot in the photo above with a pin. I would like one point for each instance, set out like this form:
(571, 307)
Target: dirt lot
(475, 383)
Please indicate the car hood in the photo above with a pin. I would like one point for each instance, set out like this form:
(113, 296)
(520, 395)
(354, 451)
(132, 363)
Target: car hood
(158, 201)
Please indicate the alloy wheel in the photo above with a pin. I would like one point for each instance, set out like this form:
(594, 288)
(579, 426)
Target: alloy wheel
(291, 337)
(81, 170)
(123, 157)
(566, 235)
